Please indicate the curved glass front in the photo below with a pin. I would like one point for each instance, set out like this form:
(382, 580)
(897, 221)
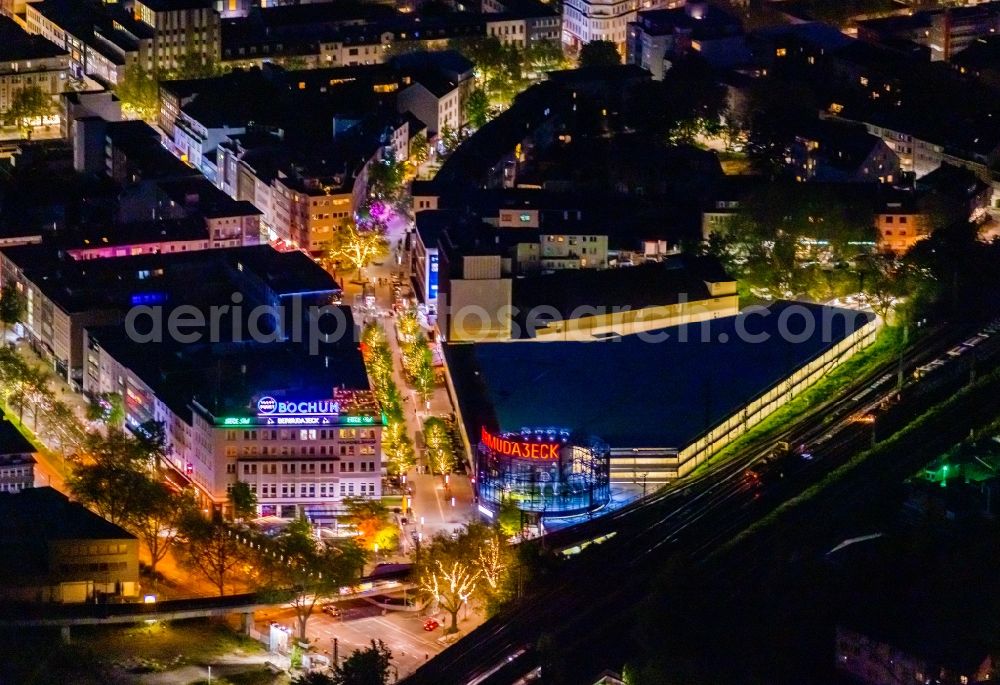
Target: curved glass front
(577, 481)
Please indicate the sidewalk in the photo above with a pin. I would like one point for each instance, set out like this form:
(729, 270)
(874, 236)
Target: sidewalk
(51, 468)
(430, 499)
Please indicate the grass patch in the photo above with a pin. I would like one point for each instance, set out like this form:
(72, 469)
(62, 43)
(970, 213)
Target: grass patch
(392, 501)
(195, 641)
(255, 676)
(973, 406)
(885, 348)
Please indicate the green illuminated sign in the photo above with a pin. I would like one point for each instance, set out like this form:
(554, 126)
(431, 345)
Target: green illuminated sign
(358, 419)
(236, 421)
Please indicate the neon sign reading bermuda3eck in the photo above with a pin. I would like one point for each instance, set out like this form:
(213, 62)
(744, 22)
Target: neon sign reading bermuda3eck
(521, 449)
(268, 406)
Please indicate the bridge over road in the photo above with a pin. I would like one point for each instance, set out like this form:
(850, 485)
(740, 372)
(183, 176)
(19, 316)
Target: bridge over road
(64, 616)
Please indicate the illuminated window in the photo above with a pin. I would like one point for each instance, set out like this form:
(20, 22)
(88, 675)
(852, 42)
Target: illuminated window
(780, 52)
(863, 80)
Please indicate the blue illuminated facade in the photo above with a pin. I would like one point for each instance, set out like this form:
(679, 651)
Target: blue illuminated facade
(578, 481)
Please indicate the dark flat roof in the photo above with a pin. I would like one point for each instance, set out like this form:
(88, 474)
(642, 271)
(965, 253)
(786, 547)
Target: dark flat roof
(35, 517)
(174, 5)
(17, 44)
(112, 283)
(11, 440)
(647, 285)
(47, 514)
(634, 393)
(226, 377)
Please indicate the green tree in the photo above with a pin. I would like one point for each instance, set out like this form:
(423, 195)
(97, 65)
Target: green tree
(312, 570)
(13, 306)
(385, 177)
(139, 92)
(599, 53)
(195, 65)
(450, 139)
(157, 519)
(371, 519)
(29, 102)
(313, 678)
(12, 369)
(440, 451)
(113, 479)
(31, 389)
(884, 282)
(368, 666)
(544, 56)
(360, 243)
(242, 500)
(63, 424)
(212, 548)
(509, 518)
(398, 446)
(420, 365)
(450, 581)
(108, 407)
(419, 148)
(477, 108)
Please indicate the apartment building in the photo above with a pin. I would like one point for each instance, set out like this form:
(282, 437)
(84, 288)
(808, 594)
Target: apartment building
(28, 61)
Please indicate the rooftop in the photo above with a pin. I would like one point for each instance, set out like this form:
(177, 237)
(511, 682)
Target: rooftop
(634, 393)
(176, 5)
(117, 284)
(47, 514)
(11, 440)
(982, 53)
(647, 285)
(700, 20)
(226, 378)
(16, 44)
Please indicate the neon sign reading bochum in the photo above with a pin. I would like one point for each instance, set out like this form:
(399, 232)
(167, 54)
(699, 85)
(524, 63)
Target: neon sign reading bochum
(268, 406)
(271, 412)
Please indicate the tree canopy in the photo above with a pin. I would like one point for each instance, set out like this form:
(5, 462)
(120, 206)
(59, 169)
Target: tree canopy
(311, 569)
(27, 103)
(599, 53)
(359, 243)
(13, 305)
(373, 522)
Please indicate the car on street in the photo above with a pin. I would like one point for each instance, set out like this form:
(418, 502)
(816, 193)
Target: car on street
(431, 624)
(332, 610)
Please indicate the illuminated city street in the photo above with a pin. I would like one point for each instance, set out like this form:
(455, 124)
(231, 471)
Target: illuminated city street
(499, 343)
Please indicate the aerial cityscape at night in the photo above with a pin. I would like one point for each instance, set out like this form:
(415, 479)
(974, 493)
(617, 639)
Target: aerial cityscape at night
(570, 342)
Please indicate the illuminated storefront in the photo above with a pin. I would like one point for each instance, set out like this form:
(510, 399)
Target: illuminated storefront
(543, 471)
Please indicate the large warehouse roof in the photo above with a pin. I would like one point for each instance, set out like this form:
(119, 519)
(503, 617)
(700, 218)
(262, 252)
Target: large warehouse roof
(632, 392)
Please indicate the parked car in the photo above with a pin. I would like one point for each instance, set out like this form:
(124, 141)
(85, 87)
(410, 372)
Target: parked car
(332, 610)
(431, 624)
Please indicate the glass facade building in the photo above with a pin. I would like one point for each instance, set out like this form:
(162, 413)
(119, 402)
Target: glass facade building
(543, 471)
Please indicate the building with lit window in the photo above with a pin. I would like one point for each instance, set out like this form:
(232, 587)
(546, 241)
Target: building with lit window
(28, 61)
(302, 430)
(17, 459)
(96, 291)
(657, 37)
(271, 389)
(55, 550)
(546, 472)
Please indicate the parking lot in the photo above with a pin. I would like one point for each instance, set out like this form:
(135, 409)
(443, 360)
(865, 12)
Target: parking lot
(359, 623)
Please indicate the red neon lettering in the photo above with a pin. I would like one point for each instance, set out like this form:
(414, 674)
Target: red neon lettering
(522, 450)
